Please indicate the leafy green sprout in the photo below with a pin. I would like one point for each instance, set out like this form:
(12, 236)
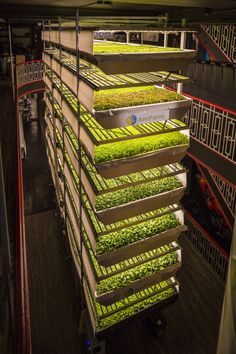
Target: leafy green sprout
(135, 96)
(141, 231)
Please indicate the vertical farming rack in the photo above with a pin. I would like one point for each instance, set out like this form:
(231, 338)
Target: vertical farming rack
(114, 143)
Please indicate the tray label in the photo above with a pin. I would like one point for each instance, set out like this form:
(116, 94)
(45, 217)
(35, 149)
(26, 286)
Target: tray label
(135, 119)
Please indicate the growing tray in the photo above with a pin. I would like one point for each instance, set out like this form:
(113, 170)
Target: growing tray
(49, 143)
(124, 166)
(122, 62)
(131, 209)
(121, 117)
(138, 285)
(140, 62)
(157, 306)
(131, 250)
(140, 206)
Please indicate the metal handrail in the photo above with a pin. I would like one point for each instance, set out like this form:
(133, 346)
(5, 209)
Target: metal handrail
(29, 71)
(22, 307)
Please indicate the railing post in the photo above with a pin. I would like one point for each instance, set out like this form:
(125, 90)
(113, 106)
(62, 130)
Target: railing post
(183, 37)
(165, 39)
(12, 65)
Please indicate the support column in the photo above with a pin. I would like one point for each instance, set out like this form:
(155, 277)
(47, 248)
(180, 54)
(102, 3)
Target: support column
(127, 36)
(165, 39)
(141, 37)
(182, 46)
(12, 64)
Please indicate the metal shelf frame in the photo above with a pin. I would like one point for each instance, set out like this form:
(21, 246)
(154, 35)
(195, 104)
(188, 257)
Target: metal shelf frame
(72, 135)
(114, 63)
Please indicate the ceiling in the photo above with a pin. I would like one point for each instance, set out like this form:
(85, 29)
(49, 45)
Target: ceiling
(195, 11)
(165, 3)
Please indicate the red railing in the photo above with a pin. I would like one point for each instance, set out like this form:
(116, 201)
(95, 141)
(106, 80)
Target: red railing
(22, 307)
(29, 71)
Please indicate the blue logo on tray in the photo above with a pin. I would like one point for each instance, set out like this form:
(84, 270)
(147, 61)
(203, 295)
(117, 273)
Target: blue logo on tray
(132, 119)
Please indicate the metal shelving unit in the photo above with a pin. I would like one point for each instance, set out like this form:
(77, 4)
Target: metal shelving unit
(113, 63)
(74, 132)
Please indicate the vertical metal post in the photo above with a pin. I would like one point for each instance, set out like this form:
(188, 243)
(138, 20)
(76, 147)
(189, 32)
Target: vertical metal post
(53, 119)
(62, 121)
(141, 37)
(79, 154)
(127, 36)
(182, 46)
(165, 39)
(227, 333)
(12, 64)
(183, 38)
(44, 48)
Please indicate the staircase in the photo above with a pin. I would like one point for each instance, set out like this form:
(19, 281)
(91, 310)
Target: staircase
(224, 37)
(213, 44)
